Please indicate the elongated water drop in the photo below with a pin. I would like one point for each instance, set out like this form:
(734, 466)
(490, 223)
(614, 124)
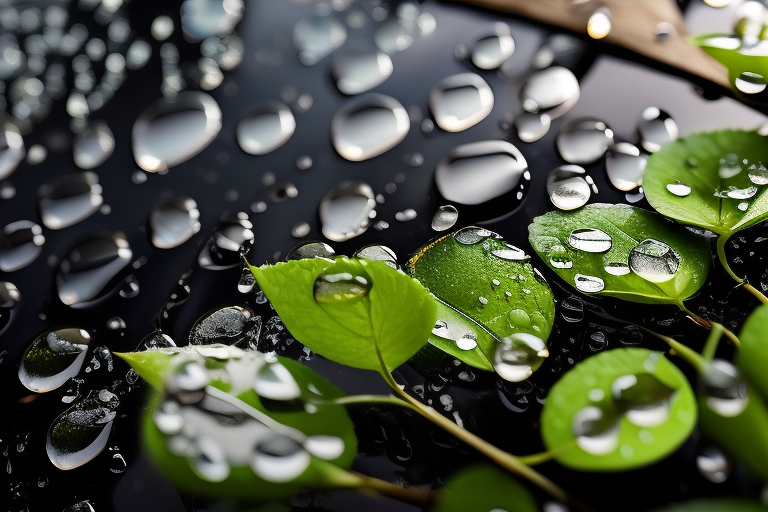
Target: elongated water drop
(275, 382)
(617, 269)
(279, 459)
(230, 325)
(21, 242)
(492, 51)
(173, 221)
(656, 128)
(590, 240)
(518, 356)
(679, 188)
(596, 431)
(567, 187)
(93, 146)
(460, 101)
(361, 71)
(53, 358)
(725, 390)
(624, 165)
(654, 261)
(325, 447)
(583, 140)
(750, 83)
(11, 150)
(445, 218)
(334, 287)
(741, 193)
(552, 91)
(265, 128)
(532, 127)
(378, 253)
(225, 247)
(345, 211)
(68, 199)
(510, 253)
(588, 284)
(369, 126)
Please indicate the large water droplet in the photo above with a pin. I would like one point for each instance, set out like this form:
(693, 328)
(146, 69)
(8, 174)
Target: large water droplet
(460, 101)
(624, 165)
(206, 18)
(518, 356)
(208, 460)
(654, 261)
(279, 459)
(361, 71)
(679, 188)
(590, 240)
(20, 244)
(325, 447)
(532, 127)
(599, 23)
(492, 51)
(169, 133)
(173, 221)
(725, 390)
(231, 325)
(369, 126)
(68, 199)
(643, 398)
(480, 171)
(583, 140)
(656, 128)
(345, 211)
(93, 145)
(445, 218)
(378, 253)
(737, 193)
(750, 83)
(53, 358)
(333, 287)
(9, 303)
(596, 431)
(81, 432)
(310, 250)
(472, 235)
(11, 150)
(266, 128)
(317, 37)
(713, 465)
(588, 284)
(93, 269)
(552, 91)
(274, 381)
(567, 187)
(224, 249)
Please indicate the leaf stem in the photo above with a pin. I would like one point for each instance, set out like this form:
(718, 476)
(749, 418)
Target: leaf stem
(721, 240)
(690, 355)
(710, 347)
(538, 458)
(366, 399)
(710, 325)
(339, 477)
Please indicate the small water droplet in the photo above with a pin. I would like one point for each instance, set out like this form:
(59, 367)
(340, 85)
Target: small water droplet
(492, 51)
(758, 174)
(583, 140)
(518, 356)
(532, 127)
(643, 398)
(311, 250)
(225, 247)
(279, 459)
(11, 150)
(590, 240)
(729, 166)
(333, 287)
(558, 257)
(208, 459)
(93, 145)
(713, 465)
(317, 37)
(186, 381)
(445, 218)
(52, 358)
(155, 341)
(345, 211)
(361, 71)
(617, 269)
(510, 253)
(173, 221)
(378, 253)
(679, 188)
(596, 431)
(368, 126)
(471, 235)
(725, 390)
(460, 101)
(466, 342)
(656, 128)
(325, 447)
(743, 206)
(21, 242)
(230, 325)
(664, 31)
(264, 129)
(552, 91)
(273, 381)
(68, 199)
(654, 261)
(624, 165)
(9, 304)
(588, 284)
(750, 83)
(406, 215)
(599, 23)
(567, 187)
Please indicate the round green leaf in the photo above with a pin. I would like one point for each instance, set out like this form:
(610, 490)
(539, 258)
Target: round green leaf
(490, 291)
(350, 322)
(724, 171)
(752, 356)
(596, 419)
(622, 251)
(484, 488)
(715, 505)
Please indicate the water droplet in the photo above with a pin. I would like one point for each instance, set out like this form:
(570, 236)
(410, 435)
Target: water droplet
(558, 257)
(93, 269)
(480, 171)
(224, 249)
(590, 240)
(368, 126)
(167, 417)
(518, 356)
(729, 166)
(186, 381)
(325, 447)
(93, 146)
(510, 253)
(361, 71)
(231, 325)
(552, 91)
(460, 101)
(492, 51)
(334, 287)
(596, 431)
(247, 281)
(206, 18)
(532, 127)
(378, 253)
(155, 341)
(274, 381)
(317, 37)
(572, 309)
(588, 284)
(567, 187)
(279, 459)
(173, 221)
(466, 342)
(654, 261)
(9, 303)
(169, 133)
(617, 269)
(656, 128)
(208, 459)
(643, 398)
(345, 211)
(725, 390)
(81, 432)
(471, 235)
(68, 199)
(750, 83)
(599, 23)
(583, 140)
(713, 465)
(664, 31)
(20, 244)
(624, 166)
(310, 250)
(743, 206)
(11, 150)
(53, 358)
(445, 218)
(266, 128)
(406, 215)
(758, 174)
(679, 188)
(739, 193)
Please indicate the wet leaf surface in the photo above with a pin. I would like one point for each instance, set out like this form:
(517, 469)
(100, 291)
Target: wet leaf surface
(483, 488)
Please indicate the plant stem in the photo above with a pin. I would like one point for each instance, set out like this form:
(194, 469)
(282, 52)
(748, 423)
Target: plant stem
(710, 325)
(690, 355)
(721, 240)
(537, 458)
(366, 399)
(710, 347)
(339, 477)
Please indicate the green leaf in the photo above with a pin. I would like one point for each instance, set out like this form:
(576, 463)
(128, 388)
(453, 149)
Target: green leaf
(203, 432)
(618, 410)
(712, 164)
(715, 505)
(484, 488)
(392, 313)
(482, 280)
(730, 51)
(622, 251)
(752, 356)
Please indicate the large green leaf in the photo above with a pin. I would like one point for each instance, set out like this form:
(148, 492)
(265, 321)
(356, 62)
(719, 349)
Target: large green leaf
(744, 62)
(721, 169)
(715, 505)
(358, 308)
(484, 488)
(618, 410)
(622, 251)
(752, 356)
(490, 291)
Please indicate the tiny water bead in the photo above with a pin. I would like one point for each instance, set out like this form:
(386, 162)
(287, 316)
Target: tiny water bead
(368, 126)
(460, 101)
(9, 304)
(230, 325)
(265, 128)
(583, 140)
(361, 71)
(346, 210)
(656, 128)
(654, 261)
(678, 188)
(490, 52)
(624, 165)
(316, 37)
(532, 127)
(445, 218)
(173, 221)
(21, 242)
(588, 284)
(68, 199)
(596, 430)
(518, 356)
(332, 287)
(567, 187)
(590, 240)
(552, 91)
(724, 389)
(52, 358)
(92, 146)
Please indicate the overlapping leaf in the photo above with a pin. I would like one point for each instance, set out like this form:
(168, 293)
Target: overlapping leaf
(483, 488)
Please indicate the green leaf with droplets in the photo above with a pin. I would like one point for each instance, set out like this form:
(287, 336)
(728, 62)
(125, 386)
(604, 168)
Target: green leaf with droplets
(637, 255)
(490, 291)
(484, 488)
(715, 505)
(752, 356)
(592, 425)
(217, 430)
(745, 62)
(392, 314)
(721, 163)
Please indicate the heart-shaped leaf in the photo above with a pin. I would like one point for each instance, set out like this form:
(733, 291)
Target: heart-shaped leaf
(713, 180)
(752, 356)
(715, 505)
(488, 289)
(349, 309)
(622, 251)
(747, 64)
(484, 488)
(618, 410)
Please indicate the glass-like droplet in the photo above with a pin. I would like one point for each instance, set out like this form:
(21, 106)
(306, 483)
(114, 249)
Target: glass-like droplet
(81, 432)
(155, 341)
(225, 247)
(758, 174)
(532, 127)
(53, 358)
(231, 325)
(265, 128)
(247, 281)
(590, 240)
(359, 72)
(310, 250)
(492, 51)
(713, 465)
(378, 253)
(68, 199)
(599, 23)
(654, 261)
(518, 356)
(567, 187)
(273, 381)
(93, 146)
(617, 269)
(9, 304)
(317, 37)
(510, 253)
(729, 166)
(558, 257)
(472, 235)
(167, 417)
(20, 244)
(93, 269)
(460, 101)
(173, 221)
(208, 460)
(279, 459)
(368, 126)
(445, 218)
(583, 140)
(595, 430)
(588, 284)
(345, 211)
(624, 165)
(334, 287)
(740, 193)
(480, 171)
(186, 381)
(169, 133)
(743, 206)
(11, 151)
(750, 83)
(678, 188)
(205, 18)
(643, 398)
(725, 390)
(656, 128)
(325, 447)
(552, 91)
